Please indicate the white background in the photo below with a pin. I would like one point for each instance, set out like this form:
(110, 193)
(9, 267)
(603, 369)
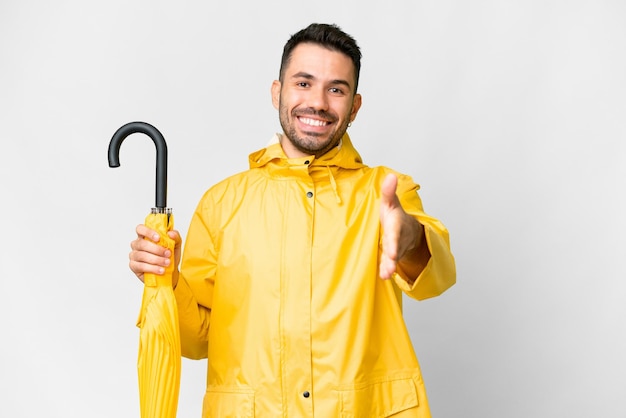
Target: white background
(510, 114)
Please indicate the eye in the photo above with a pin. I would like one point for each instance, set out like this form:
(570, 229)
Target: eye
(335, 90)
(302, 84)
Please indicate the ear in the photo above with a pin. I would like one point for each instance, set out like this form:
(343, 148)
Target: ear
(356, 105)
(276, 94)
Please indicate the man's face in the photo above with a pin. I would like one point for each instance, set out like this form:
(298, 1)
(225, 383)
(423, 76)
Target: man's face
(315, 100)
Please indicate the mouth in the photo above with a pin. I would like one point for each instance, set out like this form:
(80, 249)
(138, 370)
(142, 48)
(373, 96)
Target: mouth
(315, 123)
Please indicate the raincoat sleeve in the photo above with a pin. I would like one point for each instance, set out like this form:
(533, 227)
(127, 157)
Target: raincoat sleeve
(194, 291)
(439, 270)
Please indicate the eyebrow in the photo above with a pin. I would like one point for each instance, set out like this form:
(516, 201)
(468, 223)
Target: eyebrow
(308, 76)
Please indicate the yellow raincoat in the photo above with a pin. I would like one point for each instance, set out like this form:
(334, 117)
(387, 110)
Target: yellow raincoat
(279, 288)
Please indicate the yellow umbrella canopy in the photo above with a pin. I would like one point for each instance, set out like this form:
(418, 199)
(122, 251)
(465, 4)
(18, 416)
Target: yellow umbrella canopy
(159, 359)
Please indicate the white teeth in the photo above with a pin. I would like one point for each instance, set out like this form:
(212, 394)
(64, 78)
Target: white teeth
(313, 122)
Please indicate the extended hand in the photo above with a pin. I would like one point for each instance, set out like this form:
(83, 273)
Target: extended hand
(401, 232)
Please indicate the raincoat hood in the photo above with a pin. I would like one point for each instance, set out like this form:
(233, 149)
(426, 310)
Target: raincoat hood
(344, 155)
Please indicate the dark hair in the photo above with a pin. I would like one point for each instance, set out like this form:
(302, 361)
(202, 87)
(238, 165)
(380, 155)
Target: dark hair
(328, 36)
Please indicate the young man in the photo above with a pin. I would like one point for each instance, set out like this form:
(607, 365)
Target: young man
(293, 271)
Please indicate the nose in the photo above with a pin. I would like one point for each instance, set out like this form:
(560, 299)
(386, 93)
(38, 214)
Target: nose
(317, 98)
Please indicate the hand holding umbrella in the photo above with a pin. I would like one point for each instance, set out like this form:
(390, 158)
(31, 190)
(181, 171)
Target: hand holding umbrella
(159, 362)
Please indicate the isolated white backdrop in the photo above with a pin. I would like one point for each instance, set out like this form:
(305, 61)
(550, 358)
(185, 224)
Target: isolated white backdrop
(510, 114)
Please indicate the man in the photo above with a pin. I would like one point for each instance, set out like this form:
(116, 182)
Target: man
(293, 271)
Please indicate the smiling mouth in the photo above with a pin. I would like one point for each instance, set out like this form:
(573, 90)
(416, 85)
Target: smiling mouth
(313, 122)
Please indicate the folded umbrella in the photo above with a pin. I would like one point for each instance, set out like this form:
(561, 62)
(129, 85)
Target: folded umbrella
(159, 360)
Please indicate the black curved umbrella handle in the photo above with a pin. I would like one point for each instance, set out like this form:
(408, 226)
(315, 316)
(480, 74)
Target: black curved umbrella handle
(161, 155)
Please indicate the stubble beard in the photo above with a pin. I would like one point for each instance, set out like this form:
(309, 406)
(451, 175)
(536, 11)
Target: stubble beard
(309, 145)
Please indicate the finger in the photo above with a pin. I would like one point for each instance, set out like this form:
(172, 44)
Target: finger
(145, 232)
(389, 257)
(161, 257)
(142, 268)
(147, 246)
(387, 267)
(390, 245)
(145, 262)
(144, 250)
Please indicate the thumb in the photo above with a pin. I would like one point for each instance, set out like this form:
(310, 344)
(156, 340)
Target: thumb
(388, 191)
(173, 234)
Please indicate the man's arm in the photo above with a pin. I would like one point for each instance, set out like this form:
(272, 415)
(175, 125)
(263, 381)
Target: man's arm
(416, 247)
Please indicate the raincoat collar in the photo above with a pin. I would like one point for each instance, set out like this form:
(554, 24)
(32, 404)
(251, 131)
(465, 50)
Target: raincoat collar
(342, 156)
